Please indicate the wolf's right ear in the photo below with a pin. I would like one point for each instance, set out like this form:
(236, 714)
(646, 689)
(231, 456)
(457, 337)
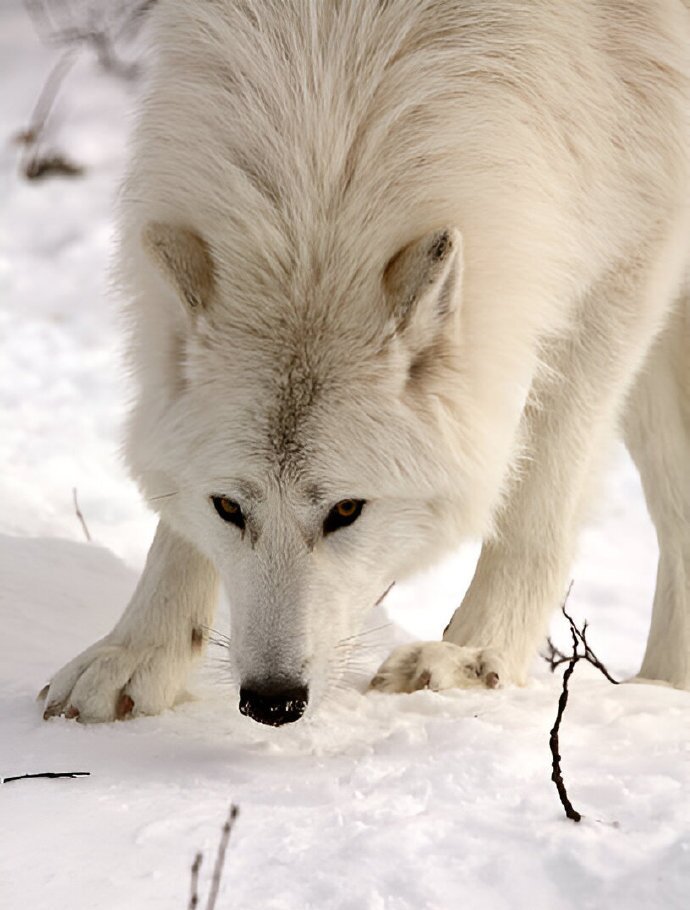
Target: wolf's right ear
(184, 260)
(422, 284)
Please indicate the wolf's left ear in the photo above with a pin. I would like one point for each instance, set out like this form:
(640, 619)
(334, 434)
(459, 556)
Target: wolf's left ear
(184, 260)
(422, 283)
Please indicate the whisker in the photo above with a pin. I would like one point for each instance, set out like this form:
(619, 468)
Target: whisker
(365, 632)
(384, 595)
(215, 635)
(212, 629)
(218, 643)
(356, 665)
(359, 647)
(162, 496)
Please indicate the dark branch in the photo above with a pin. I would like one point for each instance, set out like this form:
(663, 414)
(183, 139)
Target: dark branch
(50, 164)
(218, 867)
(555, 657)
(554, 745)
(194, 896)
(220, 857)
(589, 655)
(58, 25)
(46, 99)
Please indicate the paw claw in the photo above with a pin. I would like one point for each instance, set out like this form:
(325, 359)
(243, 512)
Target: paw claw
(124, 707)
(52, 710)
(423, 680)
(377, 682)
(492, 680)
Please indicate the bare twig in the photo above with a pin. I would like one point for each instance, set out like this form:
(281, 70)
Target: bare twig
(108, 59)
(556, 657)
(194, 896)
(47, 97)
(79, 515)
(49, 774)
(50, 164)
(218, 867)
(59, 25)
(556, 772)
(35, 163)
(385, 594)
(220, 857)
(100, 28)
(589, 655)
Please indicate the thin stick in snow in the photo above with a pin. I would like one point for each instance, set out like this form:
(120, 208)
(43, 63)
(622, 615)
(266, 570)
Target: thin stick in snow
(52, 775)
(217, 869)
(194, 896)
(220, 857)
(46, 99)
(38, 162)
(555, 658)
(79, 514)
(556, 772)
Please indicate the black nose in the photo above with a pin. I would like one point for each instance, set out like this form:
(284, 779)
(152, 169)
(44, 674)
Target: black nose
(273, 705)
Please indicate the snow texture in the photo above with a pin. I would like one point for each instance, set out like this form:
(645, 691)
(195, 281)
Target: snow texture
(413, 801)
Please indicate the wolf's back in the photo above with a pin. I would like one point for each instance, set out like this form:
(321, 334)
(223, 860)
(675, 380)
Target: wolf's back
(304, 136)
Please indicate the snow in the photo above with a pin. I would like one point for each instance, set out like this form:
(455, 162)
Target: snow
(373, 803)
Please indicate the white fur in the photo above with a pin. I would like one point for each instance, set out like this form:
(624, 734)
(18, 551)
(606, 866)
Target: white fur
(302, 144)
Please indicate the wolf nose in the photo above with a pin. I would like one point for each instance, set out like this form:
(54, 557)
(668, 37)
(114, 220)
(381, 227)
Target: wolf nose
(272, 705)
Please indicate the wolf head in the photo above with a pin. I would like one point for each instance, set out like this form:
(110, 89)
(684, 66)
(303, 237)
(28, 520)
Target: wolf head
(312, 445)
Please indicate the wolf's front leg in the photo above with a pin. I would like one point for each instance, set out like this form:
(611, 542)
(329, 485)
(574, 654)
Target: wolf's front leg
(141, 666)
(523, 571)
(522, 574)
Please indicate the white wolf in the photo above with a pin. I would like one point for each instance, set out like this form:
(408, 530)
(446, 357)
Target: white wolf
(396, 272)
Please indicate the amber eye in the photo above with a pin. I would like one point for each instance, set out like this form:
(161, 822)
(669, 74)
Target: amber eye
(228, 510)
(342, 514)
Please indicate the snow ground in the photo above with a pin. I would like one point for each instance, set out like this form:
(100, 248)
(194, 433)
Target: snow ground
(434, 801)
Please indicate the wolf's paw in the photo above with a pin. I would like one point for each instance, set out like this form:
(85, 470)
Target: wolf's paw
(113, 681)
(438, 665)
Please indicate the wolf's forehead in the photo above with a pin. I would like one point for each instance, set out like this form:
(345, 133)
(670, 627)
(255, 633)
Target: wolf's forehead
(291, 374)
(306, 371)
(311, 384)
(297, 390)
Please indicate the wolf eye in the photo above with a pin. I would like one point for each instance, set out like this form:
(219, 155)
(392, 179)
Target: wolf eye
(228, 510)
(342, 514)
